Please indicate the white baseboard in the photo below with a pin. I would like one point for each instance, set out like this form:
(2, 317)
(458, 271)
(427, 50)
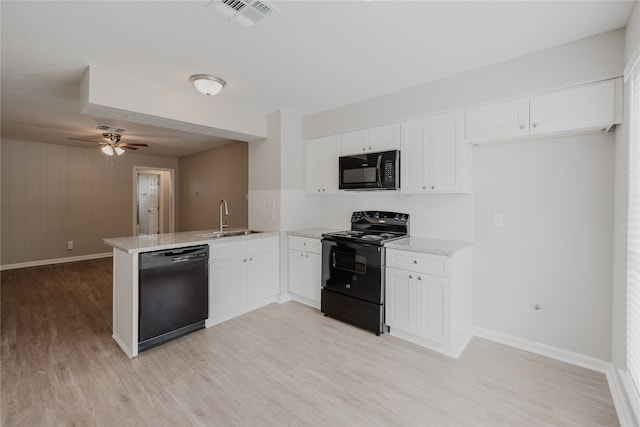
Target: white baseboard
(543, 350)
(54, 261)
(624, 398)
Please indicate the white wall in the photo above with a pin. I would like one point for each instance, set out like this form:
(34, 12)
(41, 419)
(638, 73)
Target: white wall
(553, 194)
(555, 246)
(264, 178)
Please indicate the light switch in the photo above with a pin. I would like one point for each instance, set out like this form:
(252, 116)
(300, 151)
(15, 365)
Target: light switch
(498, 220)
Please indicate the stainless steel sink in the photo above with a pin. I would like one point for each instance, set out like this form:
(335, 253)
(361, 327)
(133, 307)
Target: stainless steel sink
(229, 233)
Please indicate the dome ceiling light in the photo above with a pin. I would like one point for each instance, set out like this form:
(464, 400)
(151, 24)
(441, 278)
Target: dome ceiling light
(207, 84)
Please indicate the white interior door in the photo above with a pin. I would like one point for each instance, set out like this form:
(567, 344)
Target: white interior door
(148, 206)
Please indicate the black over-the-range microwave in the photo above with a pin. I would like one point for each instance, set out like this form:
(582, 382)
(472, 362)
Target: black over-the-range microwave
(370, 171)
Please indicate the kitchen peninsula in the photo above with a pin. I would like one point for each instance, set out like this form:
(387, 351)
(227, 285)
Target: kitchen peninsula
(243, 275)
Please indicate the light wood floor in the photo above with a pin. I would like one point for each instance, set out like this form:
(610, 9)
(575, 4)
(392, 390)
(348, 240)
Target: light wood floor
(280, 365)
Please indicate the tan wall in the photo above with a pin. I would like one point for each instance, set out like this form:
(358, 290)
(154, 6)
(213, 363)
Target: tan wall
(55, 193)
(221, 173)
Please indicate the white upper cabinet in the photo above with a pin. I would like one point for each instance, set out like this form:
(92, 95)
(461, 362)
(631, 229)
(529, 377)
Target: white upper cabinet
(414, 153)
(574, 110)
(434, 157)
(381, 138)
(450, 157)
(498, 121)
(322, 164)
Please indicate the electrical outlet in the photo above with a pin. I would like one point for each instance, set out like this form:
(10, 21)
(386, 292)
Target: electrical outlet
(69, 245)
(498, 220)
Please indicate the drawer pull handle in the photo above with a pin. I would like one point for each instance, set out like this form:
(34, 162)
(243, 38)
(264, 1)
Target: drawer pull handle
(415, 261)
(410, 276)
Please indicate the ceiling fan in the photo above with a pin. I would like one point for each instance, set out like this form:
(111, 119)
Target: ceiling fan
(113, 144)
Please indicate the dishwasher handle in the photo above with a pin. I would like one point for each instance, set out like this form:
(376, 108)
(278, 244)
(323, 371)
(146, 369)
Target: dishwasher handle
(168, 257)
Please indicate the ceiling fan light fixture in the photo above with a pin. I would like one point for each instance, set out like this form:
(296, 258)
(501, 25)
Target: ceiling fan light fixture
(119, 150)
(207, 84)
(108, 150)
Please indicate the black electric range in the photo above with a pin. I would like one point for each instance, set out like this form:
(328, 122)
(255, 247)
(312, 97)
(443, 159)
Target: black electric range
(353, 268)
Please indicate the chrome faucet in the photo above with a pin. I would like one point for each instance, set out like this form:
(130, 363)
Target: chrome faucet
(223, 203)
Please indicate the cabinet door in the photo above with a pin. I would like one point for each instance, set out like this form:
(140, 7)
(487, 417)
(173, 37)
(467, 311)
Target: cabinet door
(312, 183)
(296, 272)
(413, 153)
(574, 108)
(447, 153)
(498, 121)
(314, 277)
(227, 285)
(432, 307)
(328, 166)
(399, 301)
(384, 138)
(322, 164)
(355, 142)
(262, 276)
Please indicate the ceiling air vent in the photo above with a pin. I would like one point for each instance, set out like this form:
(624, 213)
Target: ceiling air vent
(244, 12)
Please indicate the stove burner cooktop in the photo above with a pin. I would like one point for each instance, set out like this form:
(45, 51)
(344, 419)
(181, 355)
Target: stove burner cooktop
(373, 227)
(372, 237)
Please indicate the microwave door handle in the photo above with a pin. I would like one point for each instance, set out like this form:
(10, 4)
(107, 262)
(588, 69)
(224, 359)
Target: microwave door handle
(379, 170)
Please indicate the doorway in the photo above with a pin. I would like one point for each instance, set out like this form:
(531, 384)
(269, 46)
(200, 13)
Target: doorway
(154, 206)
(148, 203)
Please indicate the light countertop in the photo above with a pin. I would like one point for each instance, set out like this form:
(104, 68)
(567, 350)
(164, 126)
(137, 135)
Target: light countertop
(146, 243)
(312, 233)
(429, 246)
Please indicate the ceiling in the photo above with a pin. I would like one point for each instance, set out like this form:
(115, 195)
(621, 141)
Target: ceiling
(309, 56)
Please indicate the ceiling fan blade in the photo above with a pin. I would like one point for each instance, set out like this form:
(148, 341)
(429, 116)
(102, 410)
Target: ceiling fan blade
(126, 147)
(86, 140)
(132, 144)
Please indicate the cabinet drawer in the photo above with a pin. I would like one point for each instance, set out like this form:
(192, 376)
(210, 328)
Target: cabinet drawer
(269, 244)
(419, 262)
(305, 244)
(227, 250)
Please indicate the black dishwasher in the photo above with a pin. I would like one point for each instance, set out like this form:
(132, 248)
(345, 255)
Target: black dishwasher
(173, 294)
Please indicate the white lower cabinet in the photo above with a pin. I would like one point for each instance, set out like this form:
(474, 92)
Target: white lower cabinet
(305, 262)
(428, 299)
(243, 276)
(415, 303)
